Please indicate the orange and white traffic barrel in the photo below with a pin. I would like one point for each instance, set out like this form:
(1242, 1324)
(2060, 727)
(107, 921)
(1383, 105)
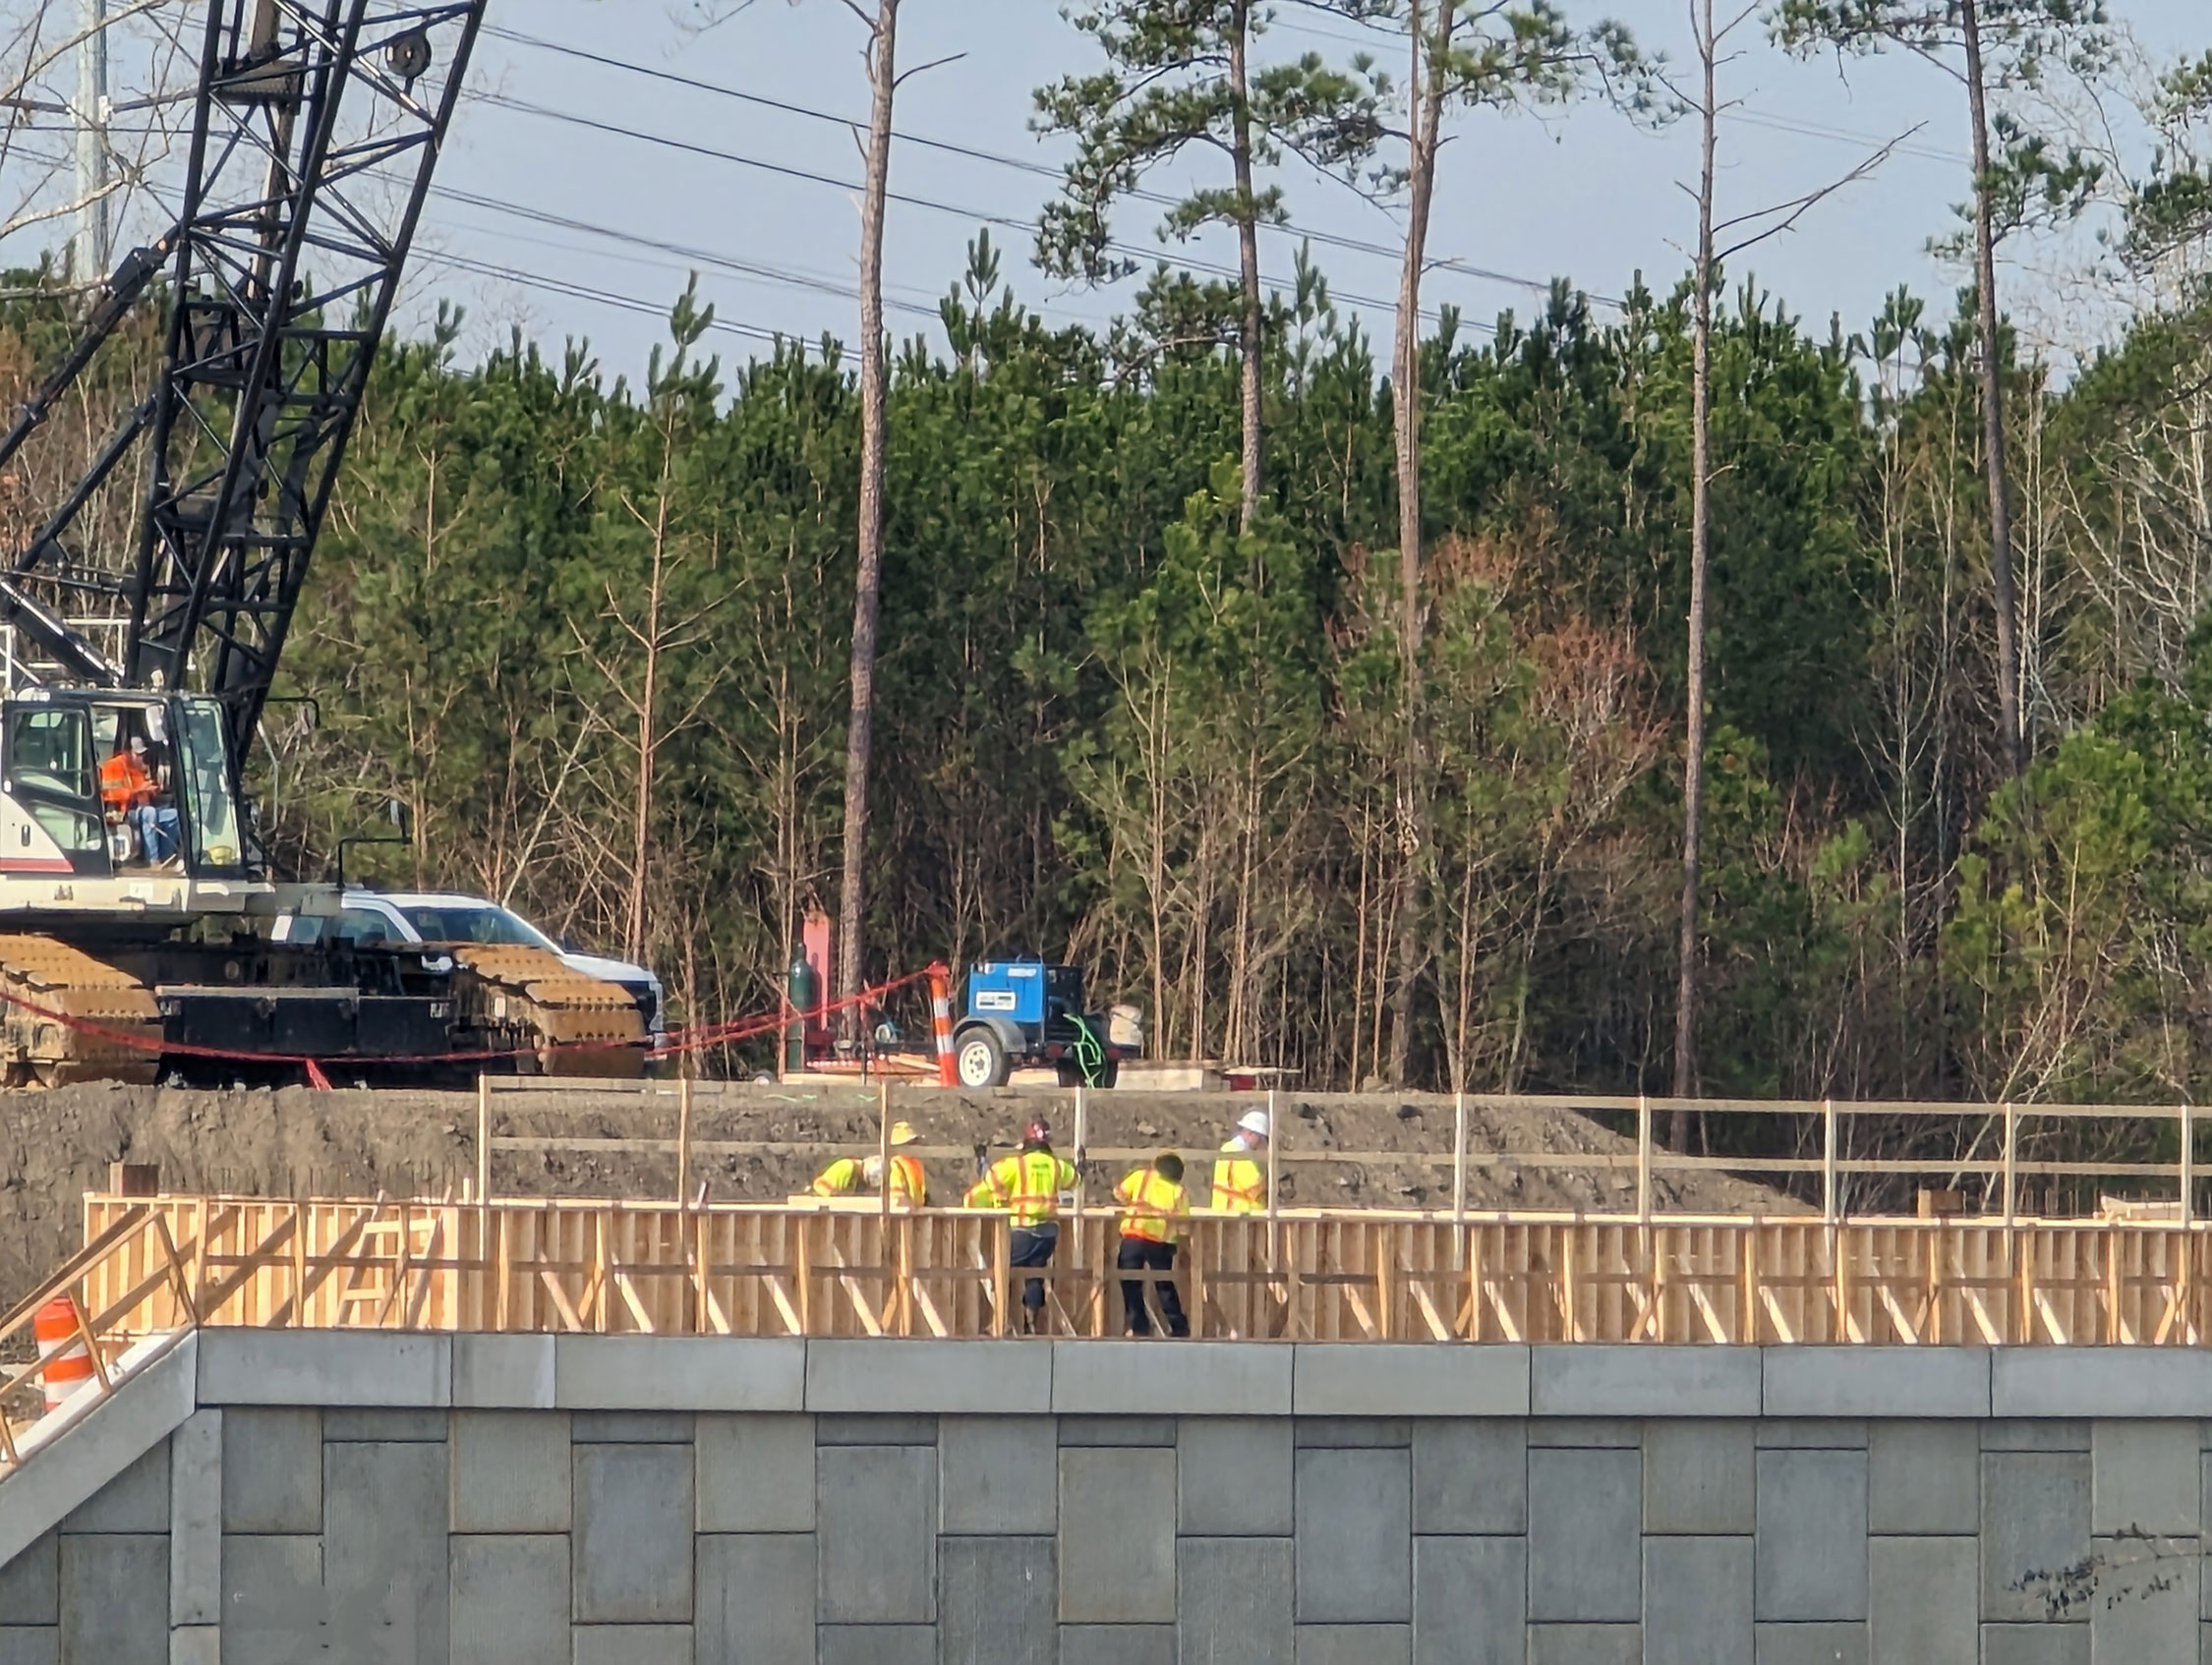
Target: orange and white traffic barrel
(941, 1020)
(61, 1349)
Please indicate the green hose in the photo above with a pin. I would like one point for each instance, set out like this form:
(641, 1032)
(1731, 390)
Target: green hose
(1090, 1053)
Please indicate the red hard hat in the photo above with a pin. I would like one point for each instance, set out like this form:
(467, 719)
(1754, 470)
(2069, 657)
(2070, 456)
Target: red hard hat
(1037, 1133)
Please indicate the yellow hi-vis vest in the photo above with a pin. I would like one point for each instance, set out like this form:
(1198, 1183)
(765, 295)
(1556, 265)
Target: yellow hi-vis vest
(1153, 1207)
(1026, 1184)
(910, 1186)
(848, 1177)
(1240, 1185)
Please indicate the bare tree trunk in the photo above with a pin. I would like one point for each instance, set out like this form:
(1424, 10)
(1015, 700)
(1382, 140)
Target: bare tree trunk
(883, 82)
(1701, 517)
(1247, 259)
(1993, 411)
(1430, 78)
(641, 831)
(1359, 957)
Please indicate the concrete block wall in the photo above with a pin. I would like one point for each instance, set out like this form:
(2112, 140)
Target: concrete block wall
(596, 1501)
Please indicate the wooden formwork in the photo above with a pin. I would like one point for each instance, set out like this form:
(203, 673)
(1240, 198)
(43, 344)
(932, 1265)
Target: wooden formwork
(642, 1267)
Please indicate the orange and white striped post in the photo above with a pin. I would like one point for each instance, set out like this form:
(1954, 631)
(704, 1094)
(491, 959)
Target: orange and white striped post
(941, 1020)
(61, 1349)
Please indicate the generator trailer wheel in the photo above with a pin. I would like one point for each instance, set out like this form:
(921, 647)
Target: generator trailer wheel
(982, 1061)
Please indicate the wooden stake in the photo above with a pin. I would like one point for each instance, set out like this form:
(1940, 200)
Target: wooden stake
(1828, 1160)
(2188, 1158)
(683, 1142)
(1459, 1158)
(1643, 1160)
(484, 1135)
(882, 1146)
(1459, 1179)
(1274, 1145)
(2011, 1159)
(1083, 1144)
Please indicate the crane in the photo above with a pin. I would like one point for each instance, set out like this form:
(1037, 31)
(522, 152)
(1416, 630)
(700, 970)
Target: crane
(142, 930)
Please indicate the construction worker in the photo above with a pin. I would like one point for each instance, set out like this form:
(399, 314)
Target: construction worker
(1239, 1174)
(910, 1186)
(1153, 1215)
(1027, 1185)
(848, 1177)
(131, 795)
(852, 1175)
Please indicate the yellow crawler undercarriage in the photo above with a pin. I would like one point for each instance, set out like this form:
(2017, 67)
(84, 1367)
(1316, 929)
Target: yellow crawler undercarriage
(52, 1051)
(577, 1025)
(76, 1018)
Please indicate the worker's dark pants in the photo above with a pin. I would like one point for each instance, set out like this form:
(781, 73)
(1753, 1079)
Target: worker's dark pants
(1033, 1248)
(1143, 1255)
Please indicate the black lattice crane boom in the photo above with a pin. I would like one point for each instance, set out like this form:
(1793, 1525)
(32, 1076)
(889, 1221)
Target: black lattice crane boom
(315, 127)
(140, 931)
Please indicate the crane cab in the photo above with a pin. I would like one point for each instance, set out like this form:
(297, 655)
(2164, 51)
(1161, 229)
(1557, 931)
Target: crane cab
(114, 801)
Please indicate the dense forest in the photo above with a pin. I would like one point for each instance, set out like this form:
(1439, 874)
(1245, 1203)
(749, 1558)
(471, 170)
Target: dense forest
(593, 632)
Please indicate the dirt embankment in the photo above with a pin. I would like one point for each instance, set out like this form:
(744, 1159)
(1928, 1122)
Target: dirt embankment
(1372, 1150)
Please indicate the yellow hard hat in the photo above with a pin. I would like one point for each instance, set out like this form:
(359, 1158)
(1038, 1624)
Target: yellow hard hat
(903, 1133)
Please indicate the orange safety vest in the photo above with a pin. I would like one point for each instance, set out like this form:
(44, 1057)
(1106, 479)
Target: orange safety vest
(124, 783)
(1240, 1185)
(844, 1177)
(1153, 1207)
(1026, 1184)
(910, 1186)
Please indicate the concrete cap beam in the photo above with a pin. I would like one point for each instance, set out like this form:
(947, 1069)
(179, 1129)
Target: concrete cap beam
(679, 1373)
(1586, 1379)
(946, 1378)
(2101, 1381)
(339, 1369)
(1434, 1379)
(504, 1372)
(1887, 1380)
(1172, 1378)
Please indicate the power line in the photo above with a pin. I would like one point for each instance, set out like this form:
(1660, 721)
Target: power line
(1842, 136)
(1747, 117)
(847, 122)
(1327, 239)
(708, 259)
(930, 308)
(808, 176)
(603, 297)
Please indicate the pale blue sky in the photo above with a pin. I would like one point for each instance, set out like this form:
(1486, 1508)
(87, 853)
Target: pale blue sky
(1585, 194)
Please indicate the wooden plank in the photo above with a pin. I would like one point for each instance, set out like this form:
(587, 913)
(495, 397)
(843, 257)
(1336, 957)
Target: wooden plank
(570, 1319)
(1507, 1328)
(1425, 1304)
(785, 1307)
(1908, 1333)
(627, 1286)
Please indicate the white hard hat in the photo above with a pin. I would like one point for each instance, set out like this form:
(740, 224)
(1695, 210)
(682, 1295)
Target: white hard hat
(1253, 1122)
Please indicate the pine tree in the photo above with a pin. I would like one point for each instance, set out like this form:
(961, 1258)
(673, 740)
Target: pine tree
(1468, 56)
(1987, 46)
(1181, 76)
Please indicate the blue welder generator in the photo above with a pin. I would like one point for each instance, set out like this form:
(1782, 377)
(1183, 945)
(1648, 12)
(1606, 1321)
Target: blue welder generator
(1022, 1014)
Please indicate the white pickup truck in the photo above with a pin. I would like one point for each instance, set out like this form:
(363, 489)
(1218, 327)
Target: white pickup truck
(442, 916)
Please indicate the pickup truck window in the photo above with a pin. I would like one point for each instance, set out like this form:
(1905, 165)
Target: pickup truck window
(363, 924)
(490, 925)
